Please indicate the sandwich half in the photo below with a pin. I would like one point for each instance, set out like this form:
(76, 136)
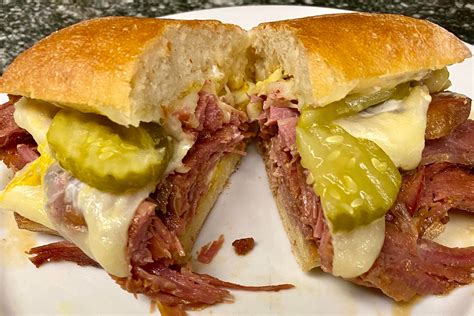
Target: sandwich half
(122, 133)
(365, 150)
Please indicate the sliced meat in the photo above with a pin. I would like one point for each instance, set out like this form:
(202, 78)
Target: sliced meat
(208, 113)
(60, 251)
(445, 187)
(412, 188)
(288, 176)
(446, 112)
(457, 147)
(149, 239)
(243, 246)
(277, 114)
(159, 278)
(287, 132)
(183, 287)
(259, 288)
(9, 130)
(210, 250)
(140, 233)
(184, 190)
(15, 160)
(408, 265)
(171, 286)
(27, 152)
(17, 147)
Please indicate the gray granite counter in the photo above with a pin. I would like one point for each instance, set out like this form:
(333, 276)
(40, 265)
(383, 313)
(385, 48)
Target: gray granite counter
(23, 24)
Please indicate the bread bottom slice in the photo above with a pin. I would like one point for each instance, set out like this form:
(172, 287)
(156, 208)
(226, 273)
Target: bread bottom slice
(305, 251)
(220, 175)
(27, 224)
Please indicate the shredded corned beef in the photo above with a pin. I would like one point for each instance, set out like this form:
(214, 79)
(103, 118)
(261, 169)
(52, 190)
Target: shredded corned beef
(447, 111)
(289, 177)
(457, 147)
(264, 288)
(9, 130)
(178, 195)
(173, 285)
(243, 246)
(431, 191)
(17, 147)
(59, 251)
(208, 114)
(210, 250)
(409, 264)
(149, 239)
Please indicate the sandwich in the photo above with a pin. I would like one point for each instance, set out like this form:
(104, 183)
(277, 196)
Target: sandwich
(365, 149)
(122, 132)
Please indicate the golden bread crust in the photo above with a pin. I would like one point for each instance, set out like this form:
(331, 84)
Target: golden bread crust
(344, 50)
(90, 66)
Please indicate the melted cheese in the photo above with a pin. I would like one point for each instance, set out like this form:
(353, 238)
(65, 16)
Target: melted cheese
(357, 250)
(388, 81)
(35, 117)
(398, 127)
(28, 201)
(108, 217)
(24, 194)
(181, 144)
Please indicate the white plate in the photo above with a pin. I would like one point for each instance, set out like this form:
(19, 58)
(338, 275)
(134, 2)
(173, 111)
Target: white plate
(246, 208)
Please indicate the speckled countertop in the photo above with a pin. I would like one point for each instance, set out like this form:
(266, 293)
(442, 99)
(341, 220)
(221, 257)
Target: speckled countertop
(24, 22)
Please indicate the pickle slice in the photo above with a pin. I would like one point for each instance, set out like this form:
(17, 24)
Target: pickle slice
(108, 156)
(356, 181)
(438, 80)
(352, 104)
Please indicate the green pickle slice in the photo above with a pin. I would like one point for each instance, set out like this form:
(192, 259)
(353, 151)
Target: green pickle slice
(108, 156)
(355, 179)
(352, 104)
(438, 80)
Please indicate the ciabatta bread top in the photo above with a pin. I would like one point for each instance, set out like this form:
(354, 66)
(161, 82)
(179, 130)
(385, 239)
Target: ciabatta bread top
(129, 69)
(333, 55)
